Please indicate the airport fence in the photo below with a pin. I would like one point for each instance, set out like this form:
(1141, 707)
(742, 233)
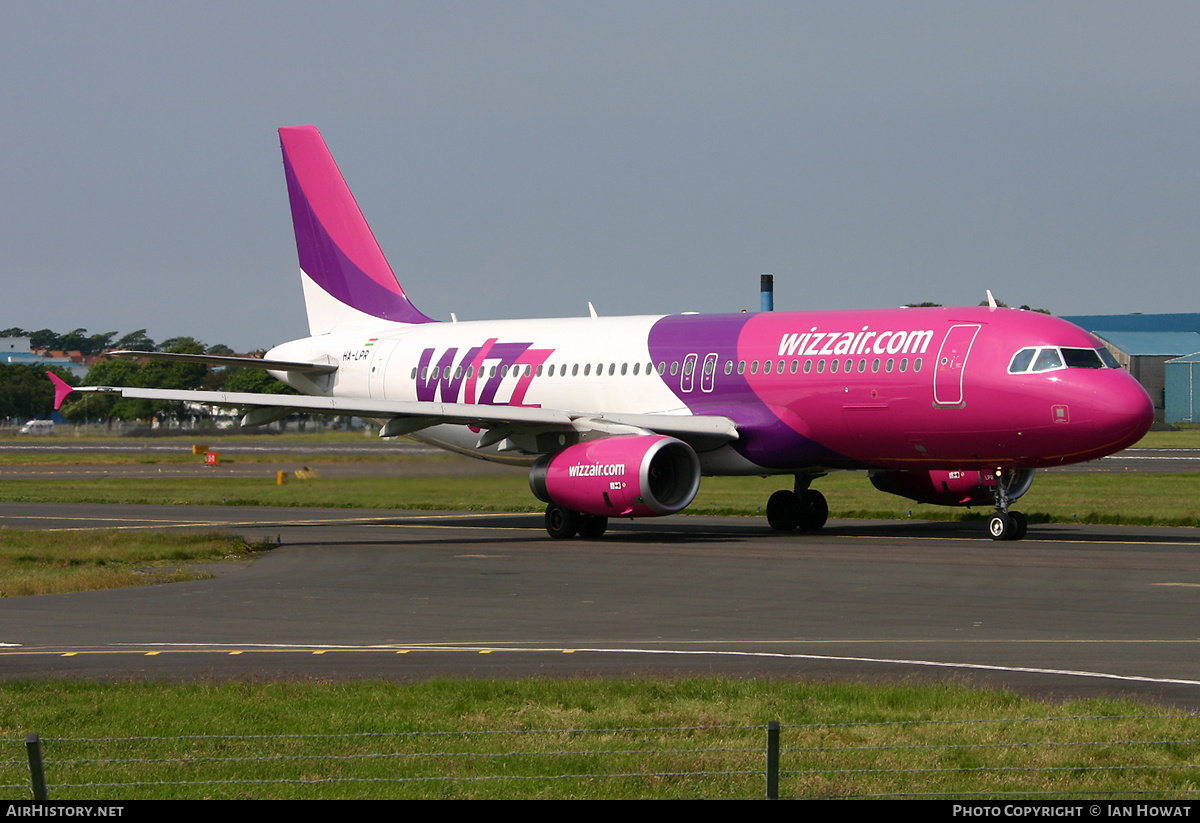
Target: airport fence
(920, 759)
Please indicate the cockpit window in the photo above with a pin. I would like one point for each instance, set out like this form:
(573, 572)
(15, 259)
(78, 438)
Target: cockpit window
(1048, 358)
(1082, 359)
(1021, 361)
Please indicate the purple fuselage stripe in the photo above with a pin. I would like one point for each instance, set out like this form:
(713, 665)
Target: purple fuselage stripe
(763, 437)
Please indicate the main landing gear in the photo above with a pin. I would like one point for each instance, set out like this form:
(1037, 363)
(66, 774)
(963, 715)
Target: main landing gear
(563, 524)
(803, 508)
(1005, 524)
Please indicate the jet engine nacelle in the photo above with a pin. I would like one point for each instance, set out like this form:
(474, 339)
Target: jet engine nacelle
(625, 476)
(951, 488)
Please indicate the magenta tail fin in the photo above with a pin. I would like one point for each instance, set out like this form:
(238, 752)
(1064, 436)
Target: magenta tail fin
(347, 280)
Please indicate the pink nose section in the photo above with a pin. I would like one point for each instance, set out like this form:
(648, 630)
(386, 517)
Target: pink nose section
(1127, 414)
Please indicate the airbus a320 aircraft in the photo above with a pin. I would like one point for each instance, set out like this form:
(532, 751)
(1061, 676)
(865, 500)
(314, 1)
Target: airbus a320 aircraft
(621, 416)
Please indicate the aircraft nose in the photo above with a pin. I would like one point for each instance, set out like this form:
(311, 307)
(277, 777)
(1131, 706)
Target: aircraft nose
(1127, 411)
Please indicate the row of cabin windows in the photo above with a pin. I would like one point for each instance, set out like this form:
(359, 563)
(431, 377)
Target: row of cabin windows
(688, 366)
(834, 366)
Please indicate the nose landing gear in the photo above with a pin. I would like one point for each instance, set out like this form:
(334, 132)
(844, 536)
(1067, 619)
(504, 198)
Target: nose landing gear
(1005, 524)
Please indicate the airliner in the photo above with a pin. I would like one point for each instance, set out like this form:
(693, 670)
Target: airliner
(622, 416)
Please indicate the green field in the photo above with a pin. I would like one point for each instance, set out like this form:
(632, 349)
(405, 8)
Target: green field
(1128, 497)
(47, 562)
(584, 738)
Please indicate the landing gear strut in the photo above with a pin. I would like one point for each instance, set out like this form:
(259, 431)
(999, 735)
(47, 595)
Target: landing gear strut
(803, 508)
(1005, 524)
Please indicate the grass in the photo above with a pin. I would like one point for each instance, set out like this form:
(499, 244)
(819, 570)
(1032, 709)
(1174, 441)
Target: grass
(1127, 497)
(538, 738)
(37, 562)
(1185, 438)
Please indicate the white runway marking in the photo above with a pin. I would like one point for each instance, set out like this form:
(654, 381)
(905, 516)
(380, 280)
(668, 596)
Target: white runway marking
(238, 648)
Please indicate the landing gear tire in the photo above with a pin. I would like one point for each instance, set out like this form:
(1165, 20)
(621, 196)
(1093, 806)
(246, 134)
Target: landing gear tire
(1008, 526)
(562, 524)
(814, 511)
(788, 511)
(592, 526)
(783, 511)
(1001, 526)
(1020, 524)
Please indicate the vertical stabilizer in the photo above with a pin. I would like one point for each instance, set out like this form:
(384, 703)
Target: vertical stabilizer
(347, 280)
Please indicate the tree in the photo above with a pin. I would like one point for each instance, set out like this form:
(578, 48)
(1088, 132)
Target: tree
(135, 341)
(26, 392)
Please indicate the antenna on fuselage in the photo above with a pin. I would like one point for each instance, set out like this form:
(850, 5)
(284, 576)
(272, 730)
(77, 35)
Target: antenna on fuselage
(453, 317)
(991, 301)
(592, 310)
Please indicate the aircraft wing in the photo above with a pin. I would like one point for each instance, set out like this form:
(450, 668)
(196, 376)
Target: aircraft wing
(224, 360)
(406, 416)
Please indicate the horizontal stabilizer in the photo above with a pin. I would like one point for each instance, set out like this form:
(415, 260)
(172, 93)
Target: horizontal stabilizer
(61, 389)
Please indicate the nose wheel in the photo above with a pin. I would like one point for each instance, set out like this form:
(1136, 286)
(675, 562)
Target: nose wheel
(1009, 525)
(1005, 524)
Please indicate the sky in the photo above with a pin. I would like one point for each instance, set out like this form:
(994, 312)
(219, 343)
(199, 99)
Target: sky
(520, 159)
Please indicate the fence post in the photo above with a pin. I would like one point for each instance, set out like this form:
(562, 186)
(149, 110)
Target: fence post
(773, 760)
(33, 745)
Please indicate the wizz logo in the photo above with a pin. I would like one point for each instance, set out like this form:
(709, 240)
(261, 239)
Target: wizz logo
(454, 379)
